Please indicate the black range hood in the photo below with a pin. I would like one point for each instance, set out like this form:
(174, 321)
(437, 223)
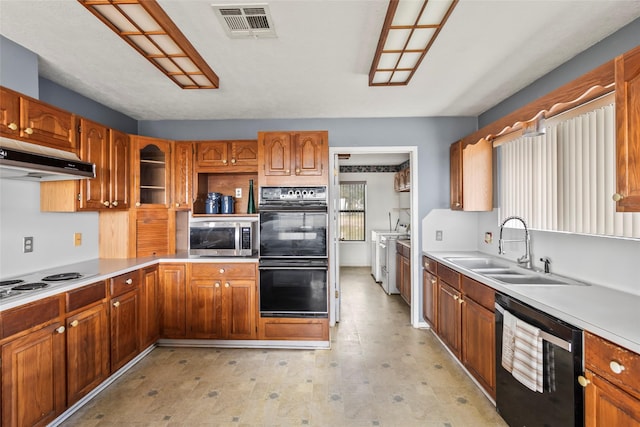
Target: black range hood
(29, 162)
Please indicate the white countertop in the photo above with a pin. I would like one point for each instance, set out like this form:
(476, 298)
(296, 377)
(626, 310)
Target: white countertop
(100, 269)
(606, 312)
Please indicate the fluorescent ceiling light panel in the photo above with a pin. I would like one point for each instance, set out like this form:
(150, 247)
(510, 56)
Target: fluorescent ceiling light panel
(410, 28)
(146, 27)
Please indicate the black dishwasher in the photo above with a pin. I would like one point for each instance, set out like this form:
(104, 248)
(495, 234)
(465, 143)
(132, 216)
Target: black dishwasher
(561, 400)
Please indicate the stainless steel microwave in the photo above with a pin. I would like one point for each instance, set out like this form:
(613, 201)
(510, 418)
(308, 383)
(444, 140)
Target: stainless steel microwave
(223, 238)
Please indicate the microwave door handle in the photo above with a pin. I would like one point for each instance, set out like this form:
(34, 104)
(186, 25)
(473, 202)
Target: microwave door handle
(238, 238)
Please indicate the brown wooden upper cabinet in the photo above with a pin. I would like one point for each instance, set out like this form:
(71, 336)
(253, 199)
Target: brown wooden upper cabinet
(293, 158)
(455, 175)
(227, 156)
(28, 119)
(182, 175)
(471, 176)
(151, 172)
(627, 72)
(108, 149)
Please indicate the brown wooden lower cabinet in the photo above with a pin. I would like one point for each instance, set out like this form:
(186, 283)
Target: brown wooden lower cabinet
(173, 300)
(462, 309)
(450, 317)
(87, 350)
(430, 299)
(149, 309)
(612, 386)
(33, 377)
(478, 348)
(124, 312)
(293, 329)
(221, 301)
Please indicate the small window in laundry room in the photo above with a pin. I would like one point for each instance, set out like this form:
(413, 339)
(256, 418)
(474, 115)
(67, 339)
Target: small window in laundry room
(352, 211)
(563, 180)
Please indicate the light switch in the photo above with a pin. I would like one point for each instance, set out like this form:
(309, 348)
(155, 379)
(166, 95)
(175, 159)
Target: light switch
(77, 239)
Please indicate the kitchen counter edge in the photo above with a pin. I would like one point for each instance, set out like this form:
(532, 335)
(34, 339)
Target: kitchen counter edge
(106, 268)
(587, 315)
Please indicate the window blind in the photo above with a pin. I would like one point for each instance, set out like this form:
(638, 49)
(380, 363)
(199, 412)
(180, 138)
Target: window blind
(563, 180)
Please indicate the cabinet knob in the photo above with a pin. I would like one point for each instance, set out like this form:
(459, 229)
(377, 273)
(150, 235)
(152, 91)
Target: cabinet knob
(433, 281)
(116, 304)
(217, 285)
(60, 330)
(114, 204)
(583, 381)
(287, 171)
(226, 285)
(460, 300)
(233, 161)
(224, 162)
(106, 203)
(177, 205)
(616, 367)
(28, 131)
(138, 204)
(455, 297)
(12, 126)
(297, 171)
(74, 324)
(457, 204)
(617, 197)
(221, 270)
(128, 281)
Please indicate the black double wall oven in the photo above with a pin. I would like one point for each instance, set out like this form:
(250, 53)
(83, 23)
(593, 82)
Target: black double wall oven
(293, 252)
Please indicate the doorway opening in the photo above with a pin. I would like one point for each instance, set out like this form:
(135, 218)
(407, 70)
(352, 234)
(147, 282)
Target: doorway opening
(386, 208)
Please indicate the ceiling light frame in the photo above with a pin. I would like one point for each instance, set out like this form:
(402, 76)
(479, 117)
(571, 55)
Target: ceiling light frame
(409, 30)
(146, 27)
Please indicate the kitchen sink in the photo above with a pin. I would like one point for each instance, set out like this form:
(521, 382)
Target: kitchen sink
(507, 274)
(473, 263)
(531, 279)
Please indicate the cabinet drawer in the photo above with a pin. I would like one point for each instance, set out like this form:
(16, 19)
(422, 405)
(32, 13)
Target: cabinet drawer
(30, 315)
(227, 270)
(482, 294)
(450, 276)
(601, 354)
(125, 283)
(86, 295)
(430, 265)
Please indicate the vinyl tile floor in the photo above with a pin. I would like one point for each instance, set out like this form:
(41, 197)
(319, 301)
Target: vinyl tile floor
(380, 371)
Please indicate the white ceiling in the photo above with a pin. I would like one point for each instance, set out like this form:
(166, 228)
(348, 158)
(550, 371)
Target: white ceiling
(318, 65)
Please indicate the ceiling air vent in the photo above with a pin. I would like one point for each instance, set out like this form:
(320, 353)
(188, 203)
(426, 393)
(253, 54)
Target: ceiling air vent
(246, 21)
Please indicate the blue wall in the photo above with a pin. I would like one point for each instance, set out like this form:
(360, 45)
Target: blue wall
(18, 68)
(432, 136)
(623, 40)
(69, 100)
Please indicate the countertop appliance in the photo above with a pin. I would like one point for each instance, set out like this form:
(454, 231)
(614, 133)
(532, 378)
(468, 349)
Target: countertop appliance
(293, 252)
(32, 283)
(30, 162)
(377, 258)
(222, 238)
(388, 261)
(560, 399)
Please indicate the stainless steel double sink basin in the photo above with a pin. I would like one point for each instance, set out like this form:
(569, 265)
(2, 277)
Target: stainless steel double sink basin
(508, 274)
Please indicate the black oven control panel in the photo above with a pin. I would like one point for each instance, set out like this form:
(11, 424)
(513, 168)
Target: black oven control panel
(281, 194)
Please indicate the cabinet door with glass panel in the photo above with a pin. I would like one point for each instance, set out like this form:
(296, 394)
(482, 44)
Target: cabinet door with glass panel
(151, 160)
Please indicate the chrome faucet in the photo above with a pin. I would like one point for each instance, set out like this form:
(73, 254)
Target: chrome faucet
(526, 258)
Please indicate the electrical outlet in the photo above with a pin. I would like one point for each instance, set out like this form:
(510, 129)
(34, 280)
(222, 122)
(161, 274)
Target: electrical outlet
(77, 239)
(238, 193)
(27, 244)
(439, 235)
